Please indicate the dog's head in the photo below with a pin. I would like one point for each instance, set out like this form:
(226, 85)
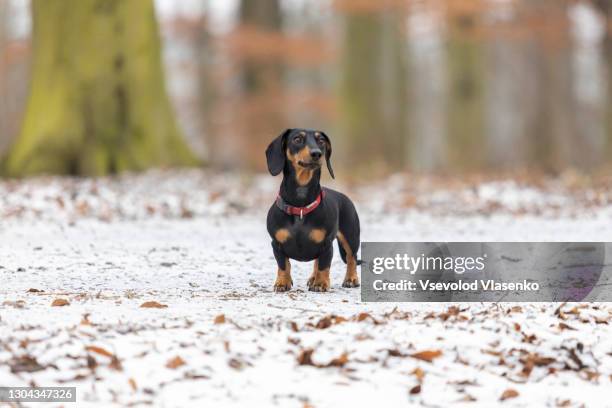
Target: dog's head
(302, 148)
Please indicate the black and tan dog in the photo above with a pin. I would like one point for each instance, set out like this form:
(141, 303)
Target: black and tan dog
(306, 218)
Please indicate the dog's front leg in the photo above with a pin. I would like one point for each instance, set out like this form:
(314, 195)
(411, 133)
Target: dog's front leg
(319, 280)
(283, 274)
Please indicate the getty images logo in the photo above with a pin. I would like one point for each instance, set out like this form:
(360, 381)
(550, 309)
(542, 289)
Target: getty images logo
(412, 264)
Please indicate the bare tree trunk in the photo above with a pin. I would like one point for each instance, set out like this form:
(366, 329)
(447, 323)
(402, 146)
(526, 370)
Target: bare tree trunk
(256, 104)
(265, 15)
(427, 59)
(552, 125)
(98, 103)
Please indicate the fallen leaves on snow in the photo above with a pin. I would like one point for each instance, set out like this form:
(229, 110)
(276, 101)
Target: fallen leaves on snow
(305, 358)
(99, 350)
(25, 364)
(60, 302)
(153, 305)
(508, 394)
(427, 355)
(175, 363)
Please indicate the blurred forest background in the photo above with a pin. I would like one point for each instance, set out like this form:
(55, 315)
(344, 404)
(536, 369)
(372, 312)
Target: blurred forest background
(427, 86)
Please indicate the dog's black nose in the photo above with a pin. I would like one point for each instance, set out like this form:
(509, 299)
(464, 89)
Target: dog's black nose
(315, 154)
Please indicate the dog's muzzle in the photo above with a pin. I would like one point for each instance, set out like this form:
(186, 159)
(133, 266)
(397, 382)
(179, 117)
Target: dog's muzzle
(310, 164)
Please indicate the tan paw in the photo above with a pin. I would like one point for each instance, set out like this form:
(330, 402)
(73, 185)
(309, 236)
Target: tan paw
(351, 282)
(319, 282)
(283, 282)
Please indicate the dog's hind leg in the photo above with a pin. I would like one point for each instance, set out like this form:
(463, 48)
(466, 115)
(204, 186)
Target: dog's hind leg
(348, 240)
(319, 280)
(283, 274)
(347, 252)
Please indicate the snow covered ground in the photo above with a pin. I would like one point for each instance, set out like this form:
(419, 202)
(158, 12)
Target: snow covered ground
(194, 246)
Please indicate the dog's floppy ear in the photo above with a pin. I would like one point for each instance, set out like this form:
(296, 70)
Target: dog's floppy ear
(328, 152)
(275, 153)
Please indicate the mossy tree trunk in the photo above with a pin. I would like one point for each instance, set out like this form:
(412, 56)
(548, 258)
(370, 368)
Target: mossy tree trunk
(466, 98)
(605, 7)
(97, 103)
(373, 88)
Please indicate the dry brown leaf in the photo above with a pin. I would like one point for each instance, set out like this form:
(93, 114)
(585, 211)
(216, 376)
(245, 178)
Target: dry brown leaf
(115, 364)
(324, 323)
(153, 305)
(175, 363)
(464, 382)
(531, 338)
(418, 373)
(542, 361)
(339, 361)
(235, 363)
(99, 350)
(91, 362)
(427, 355)
(558, 309)
(509, 393)
(574, 310)
(527, 368)
(363, 337)
(451, 311)
(563, 326)
(85, 320)
(60, 302)
(590, 375)
(220, 319)
(415, 390)
(32, 290)
(362, 316)
(25, 364)
(133, 385)
(305, 357)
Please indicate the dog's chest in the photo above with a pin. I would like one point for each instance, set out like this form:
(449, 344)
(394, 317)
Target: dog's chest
(300, 234)
(300, 239)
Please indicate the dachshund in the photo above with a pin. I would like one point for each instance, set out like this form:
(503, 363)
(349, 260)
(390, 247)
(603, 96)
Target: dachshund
(306, 218)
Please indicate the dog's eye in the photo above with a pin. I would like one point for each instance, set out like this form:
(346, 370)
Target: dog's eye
(320, 139)
(298, 139)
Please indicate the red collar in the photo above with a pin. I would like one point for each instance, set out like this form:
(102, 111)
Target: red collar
(301, 211)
